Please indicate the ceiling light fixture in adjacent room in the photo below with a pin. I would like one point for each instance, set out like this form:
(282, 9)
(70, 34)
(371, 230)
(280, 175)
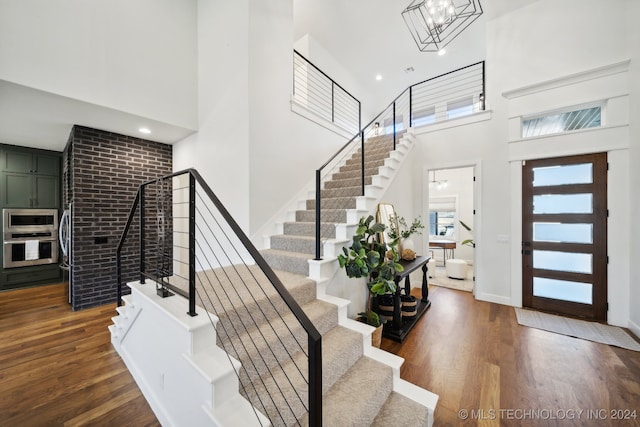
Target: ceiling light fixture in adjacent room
(435, 23)
(146, 131)
(378, 77)
(438, 185)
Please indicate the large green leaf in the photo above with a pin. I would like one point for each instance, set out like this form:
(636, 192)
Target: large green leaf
(373, 258)
(377, 228)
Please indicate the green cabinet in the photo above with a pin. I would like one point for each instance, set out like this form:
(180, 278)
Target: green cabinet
(29, 180)
(14, 278)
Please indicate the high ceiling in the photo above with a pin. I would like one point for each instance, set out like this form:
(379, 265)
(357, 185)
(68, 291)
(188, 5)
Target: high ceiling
(366, 37)
(369, 37)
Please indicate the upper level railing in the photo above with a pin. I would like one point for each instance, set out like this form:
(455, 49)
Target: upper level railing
(181, 237)
(448, 96)
(319, 93)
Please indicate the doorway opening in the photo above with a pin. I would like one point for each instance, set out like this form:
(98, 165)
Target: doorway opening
(451, 226)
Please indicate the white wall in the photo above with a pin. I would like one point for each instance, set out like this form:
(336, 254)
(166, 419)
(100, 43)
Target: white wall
(477, 144)
(137, 57)
(219, 151)
(251, 149)
(525, 47)
(634, 173)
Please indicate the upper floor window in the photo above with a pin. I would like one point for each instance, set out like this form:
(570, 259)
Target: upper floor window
(461, 107)
(423, 117)
(559, 122)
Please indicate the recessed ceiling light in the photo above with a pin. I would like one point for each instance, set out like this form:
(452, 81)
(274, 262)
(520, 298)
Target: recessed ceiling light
(379, 77)
(442, 52)
(144, 130)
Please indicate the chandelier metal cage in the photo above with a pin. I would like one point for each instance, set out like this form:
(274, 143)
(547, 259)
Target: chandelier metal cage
(435, 23)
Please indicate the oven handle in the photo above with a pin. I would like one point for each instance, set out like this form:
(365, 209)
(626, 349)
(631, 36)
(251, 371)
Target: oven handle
(8, 242)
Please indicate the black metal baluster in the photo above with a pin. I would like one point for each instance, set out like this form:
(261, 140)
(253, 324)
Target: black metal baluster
(142, 235)
(192, 246)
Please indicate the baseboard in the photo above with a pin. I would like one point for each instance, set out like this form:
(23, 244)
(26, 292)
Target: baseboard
(635, 328)
(498, 299)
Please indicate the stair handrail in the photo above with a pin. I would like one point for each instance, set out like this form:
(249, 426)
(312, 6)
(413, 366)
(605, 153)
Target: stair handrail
(361, 135)
(314, 337)
(334, 85)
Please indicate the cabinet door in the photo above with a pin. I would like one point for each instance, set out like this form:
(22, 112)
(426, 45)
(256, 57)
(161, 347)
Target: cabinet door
(17, 161)
(17, 190)
(46, 191)
(46, 165)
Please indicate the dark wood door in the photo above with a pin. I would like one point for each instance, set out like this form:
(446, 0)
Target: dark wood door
(564, 235)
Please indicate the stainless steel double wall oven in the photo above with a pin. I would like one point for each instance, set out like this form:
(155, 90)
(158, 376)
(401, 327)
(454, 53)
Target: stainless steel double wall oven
(30, 237)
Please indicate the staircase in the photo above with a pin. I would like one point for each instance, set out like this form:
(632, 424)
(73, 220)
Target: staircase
(342, 205)
(188, 379)
(358, 386)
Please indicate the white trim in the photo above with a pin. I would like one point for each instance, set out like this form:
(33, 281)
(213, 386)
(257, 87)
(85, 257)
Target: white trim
(516, 230)
(497, 299)
(477, 204)
(634, 327)
(594, 73)
(567, 133)
(585, 141)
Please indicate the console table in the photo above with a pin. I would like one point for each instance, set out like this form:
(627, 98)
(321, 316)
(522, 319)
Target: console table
(397, 330)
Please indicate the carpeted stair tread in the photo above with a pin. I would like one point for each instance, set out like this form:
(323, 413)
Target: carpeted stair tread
(237, 290)
(288, 261)
(399, 410)
(333, 216)
(294, 243)
(275, 341)
(356, 173)
(287, 383)
(356, 164)
(358, 396)
(351, 182)
(341, 349)
(299, 228)
(341, 192)
(333, 203)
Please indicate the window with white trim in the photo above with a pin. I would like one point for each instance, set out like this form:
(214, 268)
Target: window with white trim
(564, 121)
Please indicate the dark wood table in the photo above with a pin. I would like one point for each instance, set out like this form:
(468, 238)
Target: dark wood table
(398, 329)
(444, 245)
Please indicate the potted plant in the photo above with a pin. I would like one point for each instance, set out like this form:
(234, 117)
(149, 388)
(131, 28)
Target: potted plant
(468, 242)
(378, 262)
(399, 229)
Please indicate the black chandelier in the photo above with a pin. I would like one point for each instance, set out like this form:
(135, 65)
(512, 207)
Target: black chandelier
(435, 23)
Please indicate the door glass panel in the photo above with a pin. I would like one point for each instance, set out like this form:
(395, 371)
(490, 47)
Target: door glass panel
(563, 290)
(563, 175)
(562, 233)
(563, 203)
(563, 261)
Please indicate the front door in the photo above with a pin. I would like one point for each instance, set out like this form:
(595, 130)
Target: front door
(564, 235)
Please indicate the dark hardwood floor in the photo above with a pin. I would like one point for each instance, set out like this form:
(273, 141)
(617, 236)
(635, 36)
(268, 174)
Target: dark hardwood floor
(490, 370)
(57, 367)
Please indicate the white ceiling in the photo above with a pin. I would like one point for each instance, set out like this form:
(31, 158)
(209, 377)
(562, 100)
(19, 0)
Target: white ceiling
(38, 119)
(367, 37)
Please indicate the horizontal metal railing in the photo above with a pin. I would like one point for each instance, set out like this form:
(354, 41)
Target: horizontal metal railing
(448, 96)
(188, 243)
(319, 93)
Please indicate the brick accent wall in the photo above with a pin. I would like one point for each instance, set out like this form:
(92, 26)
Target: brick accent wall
(102, 171)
